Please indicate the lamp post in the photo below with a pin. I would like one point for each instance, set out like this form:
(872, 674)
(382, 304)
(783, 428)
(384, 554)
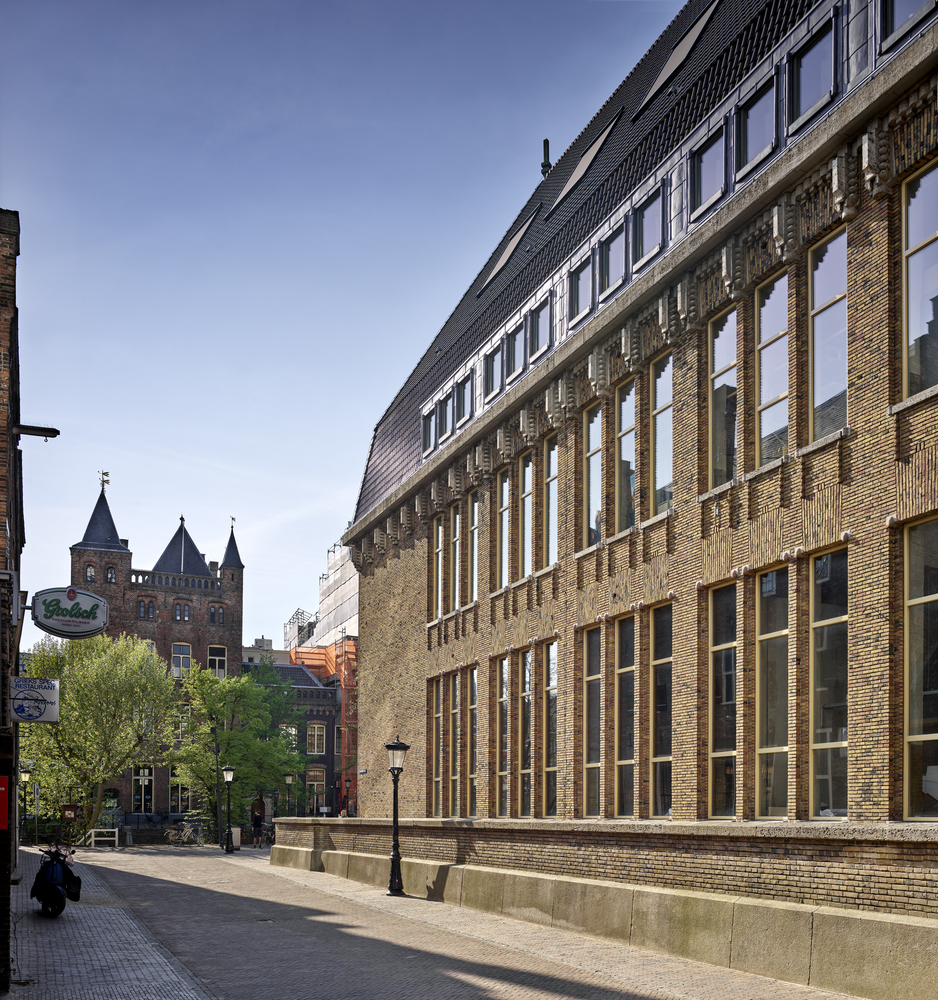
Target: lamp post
(288, 778)
(228, 772)
(397, 751)
(24, 775)
(348, 785)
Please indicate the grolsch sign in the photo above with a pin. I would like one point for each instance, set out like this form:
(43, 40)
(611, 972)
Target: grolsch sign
(70, 613)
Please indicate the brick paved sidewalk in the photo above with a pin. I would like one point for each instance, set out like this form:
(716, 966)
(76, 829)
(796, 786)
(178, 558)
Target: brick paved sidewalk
(193, 922)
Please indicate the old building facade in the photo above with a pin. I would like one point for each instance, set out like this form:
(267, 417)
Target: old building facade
(648, 541)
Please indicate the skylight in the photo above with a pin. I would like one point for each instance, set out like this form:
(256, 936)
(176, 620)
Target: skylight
(585, 160)
(510, 249)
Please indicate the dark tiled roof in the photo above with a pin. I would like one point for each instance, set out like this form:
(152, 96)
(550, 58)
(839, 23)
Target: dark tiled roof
(737, 37)
(232, 556)
(297, 676)
(101, 533)
(182, 555)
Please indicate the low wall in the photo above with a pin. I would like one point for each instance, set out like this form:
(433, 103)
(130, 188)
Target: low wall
(779, 911)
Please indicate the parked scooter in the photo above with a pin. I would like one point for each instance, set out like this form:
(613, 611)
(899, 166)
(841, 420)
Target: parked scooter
(55, 881)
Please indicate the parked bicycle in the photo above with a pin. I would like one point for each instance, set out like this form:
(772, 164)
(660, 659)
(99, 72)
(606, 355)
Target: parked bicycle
(184, 833)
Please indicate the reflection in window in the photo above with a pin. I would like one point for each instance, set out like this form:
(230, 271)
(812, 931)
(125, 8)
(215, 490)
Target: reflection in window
(316, 739)
(593, 476)
(757, 126)
(592, 699)
(625, 462)
(921, 629)
(514, 352)
(463, 395)
(472, 715)
(625, 717)
(661, 400)
(829, 684)
(501, 737)
(829, 336)
(539, 338)
(526, 734)
(436, 607)
(143, 609)
(182, 658)
(661, 712)
(772, 694)
(452, 745)
(436, 748)
(217, 661)
(111, 575)
(550, 729)
(723, 701)
(580, 290)
(647, 228)
(708, 171)
(921, 281)
(89, 574)
(445, 417)
(473, 568)
(142, 789)
(429, 431)
(812, 74)
(772, 369)
(501, 562)
(612, 261)
(492, 372)
(897, 12)
(526, 516)
(150, 610)
(723, 399)
(455, 557)
(551, 483)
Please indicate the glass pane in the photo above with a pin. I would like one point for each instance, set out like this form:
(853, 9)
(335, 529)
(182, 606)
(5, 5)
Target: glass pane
(709, 170)
(773, 309)
(583, 289)
(662, 720)
(773, 692)
(662, 383)
(592, 792)
(723, 415)
(627, 407)
(552, 665)
(593, 690)
(923, 669)
(814, 72)
(502, 679)
(922, 206)
(923, 318)
(830, 369)
(594, 473)
(502, 797)
(723, 736)
(626, 749)
(662, 632)
(626, 790)
(551, 522)
(664, 474)
(830, 683)
(527, 535)
(626, 643)
(723, 789)
(613, 260)
(649, 227)
(525, 808)
(773, 431)
(594, 429)
(550, 743)
(773, 370)
(759, 126)
(922, 778)
(724, 615)
(773, 784)
(525, 723)
(626, 510)
(550, 793)
(829, 270)
(773, 601)
(923, 559)
(830, 585)
(661, 788)
(723, 342)
(593, 647)
(830, 782)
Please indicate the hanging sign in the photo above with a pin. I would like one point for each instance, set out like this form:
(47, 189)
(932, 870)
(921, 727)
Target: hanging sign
(34, 699)
(70, 613)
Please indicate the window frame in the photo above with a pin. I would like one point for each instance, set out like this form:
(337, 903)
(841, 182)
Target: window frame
(713, 375)
(502, 529)
(626, 390)
(182, 668)
(472, 740)
(526, 744)
(549, 723)
(445, 414)
(463, 389)
(472, 567)
(625, 763)
(551, 535)
(656, 759)
(428, 437)
(437, 578)
(436, 747)
(640, 254)
(816, 310)
(827, 27)
(493, 374)
(907, 254)
(213, 658)
(110, 575)
(770, 750)
(716, 758)
(526, 515)
(455, 557)
(539, 347)
(514, 343)
(742, 134)
(655, 414)
(588, 455)
(576, 311)
(592, 701)
(315, 730)
(701, 207)
(890, 38)
(502, 734)
(605, 286)
(763, 345)
(452, 741)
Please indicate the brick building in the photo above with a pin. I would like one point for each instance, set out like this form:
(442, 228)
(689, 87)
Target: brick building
(648, 540)
(189, 608)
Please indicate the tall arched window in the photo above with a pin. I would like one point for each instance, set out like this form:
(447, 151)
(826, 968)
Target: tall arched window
(143, 609)
(178, 612)
(221, 616)
(211, 616)
(185, 613)
(111, 575)
(89, 574)
(150, 610)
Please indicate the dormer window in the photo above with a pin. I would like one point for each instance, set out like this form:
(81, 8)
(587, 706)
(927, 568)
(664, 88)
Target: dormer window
(756, 130)
(539, 330)
(514, 353)
(581, 290)
(708, 174)
(612, 261)
(492, 373)
(812, 78)
(463, 397)
(445, 417)
(429, 431)
(648, 230)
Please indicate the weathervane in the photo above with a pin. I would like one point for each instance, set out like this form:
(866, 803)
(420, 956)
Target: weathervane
(232, 520)
(105, 479)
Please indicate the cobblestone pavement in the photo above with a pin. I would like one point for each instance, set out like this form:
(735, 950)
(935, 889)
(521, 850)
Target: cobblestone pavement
(185, 923)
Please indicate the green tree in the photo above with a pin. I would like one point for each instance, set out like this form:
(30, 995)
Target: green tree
(259, 750)
(118, 705)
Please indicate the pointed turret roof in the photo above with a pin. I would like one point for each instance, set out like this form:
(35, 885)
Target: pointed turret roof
(232, 556)
(182, 555)
(101, 533)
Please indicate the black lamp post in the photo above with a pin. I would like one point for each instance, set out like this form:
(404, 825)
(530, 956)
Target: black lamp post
(397, 751)
(24, 775)
(348, 785)
(288, 778)
(228, 772)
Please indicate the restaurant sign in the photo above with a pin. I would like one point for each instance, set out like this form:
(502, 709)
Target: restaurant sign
(70, 613)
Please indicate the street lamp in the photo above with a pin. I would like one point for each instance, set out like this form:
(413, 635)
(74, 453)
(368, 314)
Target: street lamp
(24, 775)
(397, 751)
(288, 778)
(348, 785)
(228, 772)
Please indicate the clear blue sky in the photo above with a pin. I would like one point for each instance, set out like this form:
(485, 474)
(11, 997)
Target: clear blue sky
(242, 224)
